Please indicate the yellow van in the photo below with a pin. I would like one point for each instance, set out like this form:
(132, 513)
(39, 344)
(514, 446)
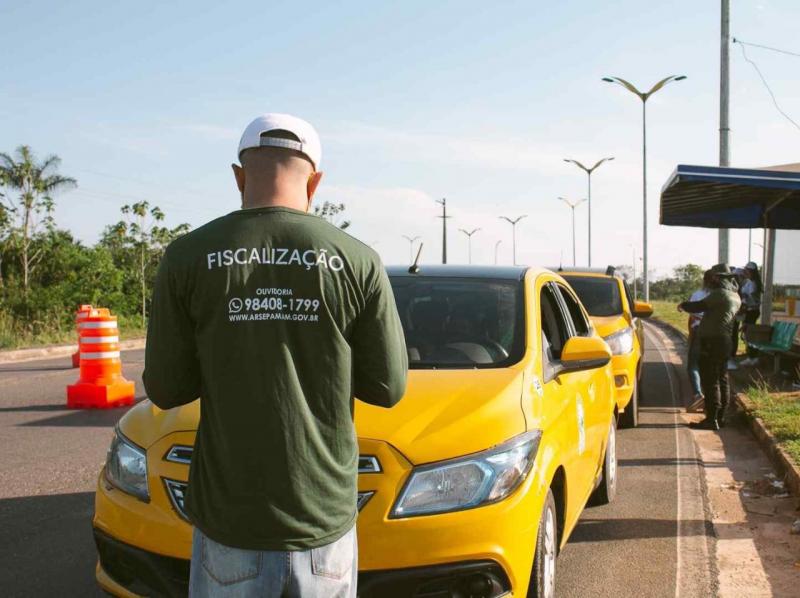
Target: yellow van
(470, 486)
(617, 317)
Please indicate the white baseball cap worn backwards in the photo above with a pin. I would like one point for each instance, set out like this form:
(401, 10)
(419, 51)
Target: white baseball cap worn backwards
(309, 144)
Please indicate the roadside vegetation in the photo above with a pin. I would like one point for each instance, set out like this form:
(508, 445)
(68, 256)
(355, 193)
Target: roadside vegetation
(45, 273)
(780, 413)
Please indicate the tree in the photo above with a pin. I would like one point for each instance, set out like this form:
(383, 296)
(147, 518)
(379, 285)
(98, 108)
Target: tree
(137, 244)
(331, 212)
(25, 215)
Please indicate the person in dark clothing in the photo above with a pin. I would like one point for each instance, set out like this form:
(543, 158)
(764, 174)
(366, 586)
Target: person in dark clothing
(719, 310)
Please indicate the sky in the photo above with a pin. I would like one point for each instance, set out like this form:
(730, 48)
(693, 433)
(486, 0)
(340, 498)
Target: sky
(477, 102)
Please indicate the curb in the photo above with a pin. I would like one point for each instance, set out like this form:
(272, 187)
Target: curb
(52, 351)
(779, 457)
(671, 327)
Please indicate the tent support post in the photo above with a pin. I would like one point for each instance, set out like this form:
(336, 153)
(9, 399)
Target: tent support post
(769, 275)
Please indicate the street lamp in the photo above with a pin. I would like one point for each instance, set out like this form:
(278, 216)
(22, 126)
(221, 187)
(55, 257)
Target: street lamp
(496, 245)
(513, 224)
(444, 217)
(573, 205)
(644, 97)
(410, 247)
(589, 172)
(469, 234)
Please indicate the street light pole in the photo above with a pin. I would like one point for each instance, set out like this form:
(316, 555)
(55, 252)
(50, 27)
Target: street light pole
(572, 205)
(723, 239)
(589, 172)
(444, 218)
(496, 245)
(513, 234)
(469, 234)
(410, 247)
(644, 96)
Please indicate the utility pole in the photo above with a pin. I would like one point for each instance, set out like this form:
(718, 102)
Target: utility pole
(644, 96)
(469, 234)
(410, 247)
(513, 224)
(724, 105)
(496, 245)
(444, 218)
(572, 205)
(589, 172)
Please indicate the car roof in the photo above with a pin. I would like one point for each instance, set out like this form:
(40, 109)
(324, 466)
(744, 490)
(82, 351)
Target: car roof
(594, 272)
(461, 271)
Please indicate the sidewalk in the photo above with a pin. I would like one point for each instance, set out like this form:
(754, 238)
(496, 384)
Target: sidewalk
(51, 351)
(751, 510)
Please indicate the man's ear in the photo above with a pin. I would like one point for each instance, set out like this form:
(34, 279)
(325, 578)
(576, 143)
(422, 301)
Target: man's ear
(238, 173)
(313, 183)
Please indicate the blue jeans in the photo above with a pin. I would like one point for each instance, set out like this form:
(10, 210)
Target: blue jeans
(330, 571)
(693, 363)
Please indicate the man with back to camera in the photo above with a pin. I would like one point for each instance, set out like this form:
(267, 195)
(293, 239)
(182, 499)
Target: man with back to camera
(719, 309)
(275, 319)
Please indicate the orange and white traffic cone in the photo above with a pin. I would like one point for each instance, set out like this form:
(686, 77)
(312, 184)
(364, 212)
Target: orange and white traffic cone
(80, 315)
(101, 383)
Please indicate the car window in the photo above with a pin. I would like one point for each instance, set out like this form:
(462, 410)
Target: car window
(581, 326)
(459, 322)
(554, 331)
(599, 295)
(628, 294)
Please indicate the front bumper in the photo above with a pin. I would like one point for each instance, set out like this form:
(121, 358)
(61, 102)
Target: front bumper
(126, 570)
(625, 374)
(130, 572)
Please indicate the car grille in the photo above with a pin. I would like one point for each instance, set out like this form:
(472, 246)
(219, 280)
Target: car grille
(180, 453)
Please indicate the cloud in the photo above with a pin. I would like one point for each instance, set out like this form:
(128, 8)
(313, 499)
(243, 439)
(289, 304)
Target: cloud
(212, 132)
(486, 152)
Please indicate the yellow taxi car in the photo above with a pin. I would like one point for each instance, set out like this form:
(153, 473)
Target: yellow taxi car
(469, 486)
(617, 317)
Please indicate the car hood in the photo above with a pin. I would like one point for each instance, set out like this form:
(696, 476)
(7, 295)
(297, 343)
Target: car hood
(444, 414)
(448, 413)
(607, 325)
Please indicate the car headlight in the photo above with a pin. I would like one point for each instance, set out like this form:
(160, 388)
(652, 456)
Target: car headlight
(620, 342)
(468, 482)
(126, 467)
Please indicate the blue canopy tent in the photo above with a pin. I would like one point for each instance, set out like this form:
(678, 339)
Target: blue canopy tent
(717, 197)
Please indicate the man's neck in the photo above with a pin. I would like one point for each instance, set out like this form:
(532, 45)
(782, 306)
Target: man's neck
(273, 201)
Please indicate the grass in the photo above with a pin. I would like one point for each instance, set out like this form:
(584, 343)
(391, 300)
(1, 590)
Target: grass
(780, 413)
(11, 337)
(667, 311)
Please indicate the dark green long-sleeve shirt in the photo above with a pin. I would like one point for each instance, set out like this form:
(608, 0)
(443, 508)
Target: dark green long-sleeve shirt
(275, 319)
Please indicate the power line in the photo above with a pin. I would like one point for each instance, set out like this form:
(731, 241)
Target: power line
(778, 50)
(764, 81)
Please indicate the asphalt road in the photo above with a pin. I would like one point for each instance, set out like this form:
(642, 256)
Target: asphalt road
(654, 540)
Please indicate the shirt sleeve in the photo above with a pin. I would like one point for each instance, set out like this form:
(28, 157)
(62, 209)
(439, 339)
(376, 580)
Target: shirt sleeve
(380, 360)
(694, 307)
(171, 369)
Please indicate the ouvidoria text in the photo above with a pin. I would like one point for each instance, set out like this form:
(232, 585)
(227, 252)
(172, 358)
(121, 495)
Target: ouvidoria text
(275, 256)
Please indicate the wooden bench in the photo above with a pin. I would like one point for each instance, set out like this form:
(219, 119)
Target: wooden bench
(775, 340)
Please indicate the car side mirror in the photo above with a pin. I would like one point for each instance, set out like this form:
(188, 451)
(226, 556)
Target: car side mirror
(584, 353)
(642, 309)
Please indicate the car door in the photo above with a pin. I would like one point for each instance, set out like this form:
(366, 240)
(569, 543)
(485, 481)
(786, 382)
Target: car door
(563, 414)
(588, 394)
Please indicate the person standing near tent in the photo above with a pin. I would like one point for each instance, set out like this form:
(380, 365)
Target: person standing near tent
(751, 291)
(719, 310)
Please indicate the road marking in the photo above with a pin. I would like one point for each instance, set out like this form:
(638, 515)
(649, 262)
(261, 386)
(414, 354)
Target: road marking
(678, 514)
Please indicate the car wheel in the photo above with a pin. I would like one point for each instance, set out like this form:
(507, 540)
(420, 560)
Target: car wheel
(630, 417)
(543, 577)
(605, 492)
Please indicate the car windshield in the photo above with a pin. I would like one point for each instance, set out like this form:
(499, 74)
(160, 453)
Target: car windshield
(600, 296)
(460, 323)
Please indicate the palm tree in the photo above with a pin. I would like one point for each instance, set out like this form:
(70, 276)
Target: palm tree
(36, 183)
